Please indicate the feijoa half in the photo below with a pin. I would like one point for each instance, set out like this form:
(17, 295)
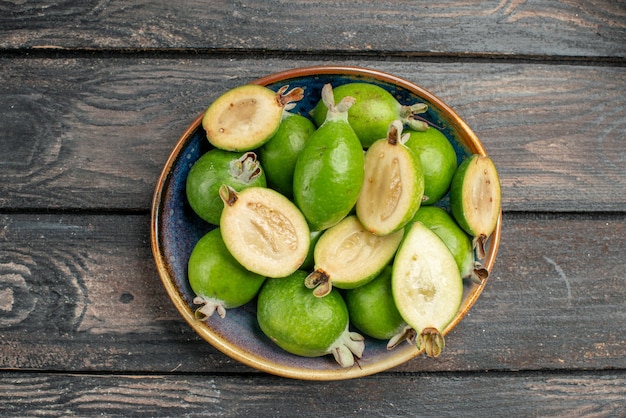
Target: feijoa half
(247, 116)
(427, 286)
(347, 256)
(301, 324)
(264, 230)
(217, 279)
(393, 185)
(475, 198)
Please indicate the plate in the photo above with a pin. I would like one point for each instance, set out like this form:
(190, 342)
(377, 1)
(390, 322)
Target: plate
(175, 229)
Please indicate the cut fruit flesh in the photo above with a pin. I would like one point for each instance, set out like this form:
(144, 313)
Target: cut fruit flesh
(246, 117)
(264, 231)
(347, 256)
(475, 198)
(427, 286)
(393, 185)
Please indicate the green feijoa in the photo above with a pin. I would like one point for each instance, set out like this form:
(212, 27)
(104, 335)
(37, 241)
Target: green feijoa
(427, 286)
(246, 117)
(264, 230)
(301, 324)
(217, 167)
(475, 198)
(438, 159)
(329, 170)
(393, 185)
(457, 240)
(217, 279)
(280, 153)
(374, 110)
(373, 311)
(347, 256)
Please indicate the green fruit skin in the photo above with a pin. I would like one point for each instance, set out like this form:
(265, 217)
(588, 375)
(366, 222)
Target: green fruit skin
(328, 174)
(438, 158)
(297, 321)
(446, 228)
(206, 176)
(214, 273)
(309, 261)
(372, 309)
(370, 116)
(279, 154)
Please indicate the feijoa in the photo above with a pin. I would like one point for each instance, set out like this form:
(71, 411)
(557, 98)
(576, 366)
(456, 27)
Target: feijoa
(347, 256)
(427, 286)
(475, 198)
(374, 110)
(264, 230)
(439, 161)
(217, 167)
(217, 279)
(329, 170)
(393, 185)
(373, 311)
(247, 116)
(457, 240)
(301, 324)
(280, 153)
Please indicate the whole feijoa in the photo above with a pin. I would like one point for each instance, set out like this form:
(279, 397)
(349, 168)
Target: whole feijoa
(375, 108)
(280, 153)
(217, 167)
(438, 158)
(217, 279)
(301, 324)
(328, 174)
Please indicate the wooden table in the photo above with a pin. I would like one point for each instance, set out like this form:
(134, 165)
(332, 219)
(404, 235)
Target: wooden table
(94, 95)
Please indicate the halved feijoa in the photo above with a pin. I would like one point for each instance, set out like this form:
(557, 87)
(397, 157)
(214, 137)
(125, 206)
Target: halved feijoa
(475, 198)
(217, 279)
(457, 240)
(427, 286)
(347, 256)
(393, 185)
(247, 116)
(298, 322)
(264, 231)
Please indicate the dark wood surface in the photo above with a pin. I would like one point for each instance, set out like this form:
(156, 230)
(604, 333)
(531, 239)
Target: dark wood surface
(94, 95)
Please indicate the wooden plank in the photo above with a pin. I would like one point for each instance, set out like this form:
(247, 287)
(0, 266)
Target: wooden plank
(81, 293)
(95, 133)
(477, 394)
(573, 29)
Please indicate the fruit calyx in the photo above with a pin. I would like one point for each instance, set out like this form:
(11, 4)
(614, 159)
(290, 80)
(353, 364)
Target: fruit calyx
(228, 194)
(407, 334)
(338, 111)
(407, 114)
(208, 308)
(349, 345)
(432, 341)
(479, 273)
(286, 99)
(245, 168)
(320, 281)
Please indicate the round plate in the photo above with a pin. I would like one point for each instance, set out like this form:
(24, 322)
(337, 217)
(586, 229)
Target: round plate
(175, 229)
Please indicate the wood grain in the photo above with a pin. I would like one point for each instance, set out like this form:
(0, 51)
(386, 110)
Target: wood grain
(81, 294)
(528, 394)
(578, 28)
(556, 133)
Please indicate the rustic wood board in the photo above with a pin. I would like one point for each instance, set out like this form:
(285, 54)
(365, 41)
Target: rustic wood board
(556, 133)
(577, 29)
(598, 394)
(80, 293)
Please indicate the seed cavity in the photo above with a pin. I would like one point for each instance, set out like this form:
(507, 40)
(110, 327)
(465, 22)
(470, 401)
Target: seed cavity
(274, 234)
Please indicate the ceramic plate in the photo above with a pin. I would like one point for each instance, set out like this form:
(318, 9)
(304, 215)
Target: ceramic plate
(175, 229)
